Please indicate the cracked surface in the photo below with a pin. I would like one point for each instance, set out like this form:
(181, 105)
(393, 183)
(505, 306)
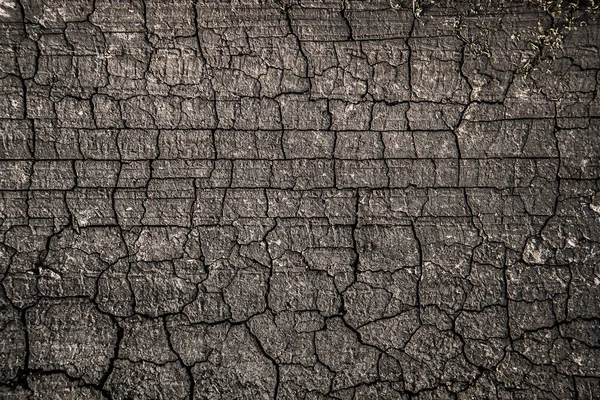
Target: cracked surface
(297, 200)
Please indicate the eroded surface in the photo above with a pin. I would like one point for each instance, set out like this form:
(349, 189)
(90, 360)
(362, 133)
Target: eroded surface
(298, 200)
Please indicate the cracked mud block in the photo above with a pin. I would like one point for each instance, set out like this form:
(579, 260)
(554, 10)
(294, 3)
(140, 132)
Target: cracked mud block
(313, 199)
(72, 336)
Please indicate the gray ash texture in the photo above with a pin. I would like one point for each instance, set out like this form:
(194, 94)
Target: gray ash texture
(299, 200)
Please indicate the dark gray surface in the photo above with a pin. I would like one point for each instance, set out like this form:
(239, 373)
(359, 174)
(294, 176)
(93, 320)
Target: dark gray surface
(303, 200)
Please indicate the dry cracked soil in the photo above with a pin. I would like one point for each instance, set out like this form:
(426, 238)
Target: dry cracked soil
(299, 200)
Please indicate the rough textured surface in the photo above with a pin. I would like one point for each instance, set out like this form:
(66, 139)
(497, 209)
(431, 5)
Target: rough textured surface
(298, 200)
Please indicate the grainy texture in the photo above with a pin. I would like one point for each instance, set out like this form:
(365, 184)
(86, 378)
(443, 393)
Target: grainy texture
(298, 200)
